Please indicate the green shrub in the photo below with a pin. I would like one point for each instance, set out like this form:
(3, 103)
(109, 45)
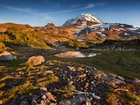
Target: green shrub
(77, 44)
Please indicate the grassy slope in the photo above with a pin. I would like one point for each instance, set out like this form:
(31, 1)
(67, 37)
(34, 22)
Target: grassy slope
(108, 61)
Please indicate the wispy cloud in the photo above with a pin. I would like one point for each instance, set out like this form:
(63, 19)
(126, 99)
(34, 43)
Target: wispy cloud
(90, 6)
(46, 1)
(58, 4)
(30, 11)
(27, 10)
(75, 5)
(101, 4)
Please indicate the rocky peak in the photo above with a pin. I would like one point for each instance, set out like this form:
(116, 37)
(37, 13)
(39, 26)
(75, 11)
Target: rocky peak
(50, 26)
(84, 18)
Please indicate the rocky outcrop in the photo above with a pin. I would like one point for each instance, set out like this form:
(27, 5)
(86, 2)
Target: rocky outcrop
(50, 26)
(35, 60)
(77, 85)
(6, 56)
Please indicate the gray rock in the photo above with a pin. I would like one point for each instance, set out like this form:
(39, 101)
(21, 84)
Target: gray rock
(34, 102)
(136, 81)
(22, 97)
(6, 56)
(24, 102)
(13, 102)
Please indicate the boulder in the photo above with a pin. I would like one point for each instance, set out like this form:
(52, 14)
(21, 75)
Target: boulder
(1, 102)
(6, 56)
(35, 60)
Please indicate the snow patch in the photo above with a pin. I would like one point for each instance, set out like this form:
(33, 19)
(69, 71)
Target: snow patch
(122, 25)
(126, 33)
(101, 34)
(119, 29)
(103, 26)
(133, 29)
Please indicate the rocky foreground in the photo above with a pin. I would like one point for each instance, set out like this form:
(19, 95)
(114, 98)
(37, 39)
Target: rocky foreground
(58, 83)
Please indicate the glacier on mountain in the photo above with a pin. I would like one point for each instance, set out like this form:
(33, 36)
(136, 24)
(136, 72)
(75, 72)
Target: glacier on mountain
(83, 17)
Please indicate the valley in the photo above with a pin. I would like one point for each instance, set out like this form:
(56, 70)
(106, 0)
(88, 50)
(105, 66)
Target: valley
(83, 62)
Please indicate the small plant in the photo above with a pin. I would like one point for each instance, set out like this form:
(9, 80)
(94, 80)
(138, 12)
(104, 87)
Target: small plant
(47, 80)
(66, 91)
(112, 99)
(6, 78)
(2, 85)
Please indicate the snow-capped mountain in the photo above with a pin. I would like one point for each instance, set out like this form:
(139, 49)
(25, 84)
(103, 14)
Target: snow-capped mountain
(82, 19)
(86, 27)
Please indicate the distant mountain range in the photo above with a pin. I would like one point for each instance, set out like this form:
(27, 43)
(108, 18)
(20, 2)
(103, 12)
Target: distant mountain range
(89, 27)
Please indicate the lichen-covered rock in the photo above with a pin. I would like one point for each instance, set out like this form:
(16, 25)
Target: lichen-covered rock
(6, 56)
(35, 60)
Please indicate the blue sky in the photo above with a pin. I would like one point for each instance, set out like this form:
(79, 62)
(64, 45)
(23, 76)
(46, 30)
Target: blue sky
(41, 12)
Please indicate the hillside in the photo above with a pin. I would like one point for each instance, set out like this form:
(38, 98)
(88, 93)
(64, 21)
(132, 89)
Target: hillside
(83, 31)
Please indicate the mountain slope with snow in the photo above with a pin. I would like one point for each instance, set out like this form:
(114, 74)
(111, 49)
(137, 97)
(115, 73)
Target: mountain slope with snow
(84, 18)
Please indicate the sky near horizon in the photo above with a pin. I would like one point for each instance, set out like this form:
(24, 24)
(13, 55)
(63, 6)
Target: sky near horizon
(41, 12)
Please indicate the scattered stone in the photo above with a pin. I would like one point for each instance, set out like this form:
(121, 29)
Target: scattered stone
(47, 62)
(22, 97)
(82, 76)
(71, 68)
(7, 56)
(50, 96)
(136, 81)
(1, 102)
(42, 89)
(35, 60)
(70, 83)
(86, 85)
(44, 97)
(34, 102)
(24, 102)
(49, 72)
